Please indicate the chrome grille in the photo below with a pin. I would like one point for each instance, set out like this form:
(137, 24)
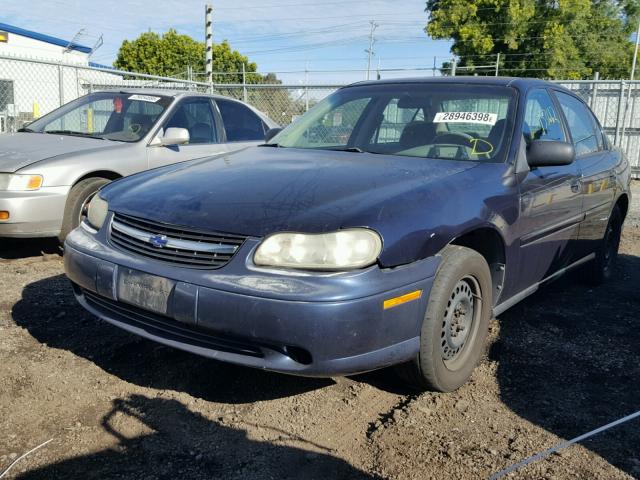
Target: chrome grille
(173, 244)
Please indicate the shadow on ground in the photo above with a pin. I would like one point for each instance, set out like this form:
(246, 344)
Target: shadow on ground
(179, 443)
(12, 248)
(49, 311)
(569, 361)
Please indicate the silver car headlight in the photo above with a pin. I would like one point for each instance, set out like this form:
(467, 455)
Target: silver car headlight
(14, 182)
(98, 209)
(342, 250)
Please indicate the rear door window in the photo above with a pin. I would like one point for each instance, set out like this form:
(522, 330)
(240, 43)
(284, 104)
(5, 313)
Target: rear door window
(584, 129)
(240, 123)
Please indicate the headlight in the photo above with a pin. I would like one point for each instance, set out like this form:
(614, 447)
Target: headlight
(342, 250)
(98, 209)
(20, 183)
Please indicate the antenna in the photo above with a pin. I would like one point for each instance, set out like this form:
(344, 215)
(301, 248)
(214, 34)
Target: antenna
(96, 45)
(83, 37)
(75, 40)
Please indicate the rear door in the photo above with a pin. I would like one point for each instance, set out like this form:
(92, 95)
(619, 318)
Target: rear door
(242, 127)
(596, 162)
(550, 199)
(197, 115)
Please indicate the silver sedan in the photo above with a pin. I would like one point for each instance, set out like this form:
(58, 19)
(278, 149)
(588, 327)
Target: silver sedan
(50, 169)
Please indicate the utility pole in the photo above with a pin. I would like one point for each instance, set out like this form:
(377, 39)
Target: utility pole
(635, 53)
(374, 25)
(631, 86)
(306, 86)
(208, 40)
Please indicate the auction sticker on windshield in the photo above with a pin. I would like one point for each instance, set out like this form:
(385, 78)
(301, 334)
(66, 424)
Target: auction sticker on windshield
(466, 117)
(144, 98)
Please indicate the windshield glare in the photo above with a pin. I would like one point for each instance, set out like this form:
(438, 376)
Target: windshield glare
(442, 121)
(125, 117)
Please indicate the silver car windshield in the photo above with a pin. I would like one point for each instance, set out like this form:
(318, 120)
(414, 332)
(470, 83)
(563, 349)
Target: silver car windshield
(125, 117)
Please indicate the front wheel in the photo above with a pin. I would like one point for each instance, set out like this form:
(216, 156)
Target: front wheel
(455, 325)
(77, 202)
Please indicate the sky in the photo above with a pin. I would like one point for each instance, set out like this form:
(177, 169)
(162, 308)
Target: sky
(286, 36)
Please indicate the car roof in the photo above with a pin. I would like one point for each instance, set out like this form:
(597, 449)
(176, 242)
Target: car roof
(515, 82)
(173, 93)
(169, 92)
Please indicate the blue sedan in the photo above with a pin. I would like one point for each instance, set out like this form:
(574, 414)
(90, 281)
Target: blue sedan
(384, 227)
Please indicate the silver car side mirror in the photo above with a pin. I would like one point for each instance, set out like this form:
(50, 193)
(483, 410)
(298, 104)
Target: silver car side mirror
(171, 136)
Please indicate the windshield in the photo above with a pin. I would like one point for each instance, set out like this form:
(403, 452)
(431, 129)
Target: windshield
(125, 117)
(442, 121)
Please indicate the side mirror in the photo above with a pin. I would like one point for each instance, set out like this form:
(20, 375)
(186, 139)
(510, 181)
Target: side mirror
(272, 132)
(172, 136)
(550, 153)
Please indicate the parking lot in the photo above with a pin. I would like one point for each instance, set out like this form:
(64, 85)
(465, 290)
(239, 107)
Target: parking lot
(562, 363)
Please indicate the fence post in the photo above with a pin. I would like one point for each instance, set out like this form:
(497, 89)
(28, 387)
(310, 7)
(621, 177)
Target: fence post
(497, 64)
(594, 90)
(306, 87)
(620, 111)
(244, 83)
(60, 86)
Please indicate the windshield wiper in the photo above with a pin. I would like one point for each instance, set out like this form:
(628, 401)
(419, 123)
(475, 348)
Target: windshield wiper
(273, 145)
(74, 133)
(26, 129)
(346, 149)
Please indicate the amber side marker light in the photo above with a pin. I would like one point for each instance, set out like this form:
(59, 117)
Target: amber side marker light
(408, 297)
(4, 215)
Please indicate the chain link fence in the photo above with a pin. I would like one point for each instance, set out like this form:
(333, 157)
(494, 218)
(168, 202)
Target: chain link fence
(617, 106)
(30, 88)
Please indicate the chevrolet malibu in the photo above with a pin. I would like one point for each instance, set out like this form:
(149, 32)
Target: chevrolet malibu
(384, 227)
(50, 169)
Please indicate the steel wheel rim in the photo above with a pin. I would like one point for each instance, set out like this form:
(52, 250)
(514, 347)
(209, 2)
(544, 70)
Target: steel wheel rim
(460, 322)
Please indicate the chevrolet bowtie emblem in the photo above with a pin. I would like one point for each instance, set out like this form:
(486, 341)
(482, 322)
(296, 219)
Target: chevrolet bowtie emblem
(159, 241)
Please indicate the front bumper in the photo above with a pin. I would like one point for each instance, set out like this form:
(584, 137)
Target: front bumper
(299, 323)
(33, 214)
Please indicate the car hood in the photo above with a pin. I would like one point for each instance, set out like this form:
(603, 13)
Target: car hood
(262, 190)
(19, 150)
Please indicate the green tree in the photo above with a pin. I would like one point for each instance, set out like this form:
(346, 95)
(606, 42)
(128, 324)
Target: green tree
(171, 54)
(568, 39)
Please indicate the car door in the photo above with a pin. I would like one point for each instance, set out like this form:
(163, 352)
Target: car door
(198, 117)
(242, 127)
(596, 162)
(550, 199)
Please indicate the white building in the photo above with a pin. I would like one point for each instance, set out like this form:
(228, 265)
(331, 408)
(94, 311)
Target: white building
(38, 73)
(26, 43)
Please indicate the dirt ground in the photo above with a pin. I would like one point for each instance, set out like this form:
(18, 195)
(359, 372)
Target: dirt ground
(560, 364)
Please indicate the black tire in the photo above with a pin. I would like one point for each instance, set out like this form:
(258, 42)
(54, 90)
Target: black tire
(460, 300)
(77, 201)
(601, 268)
